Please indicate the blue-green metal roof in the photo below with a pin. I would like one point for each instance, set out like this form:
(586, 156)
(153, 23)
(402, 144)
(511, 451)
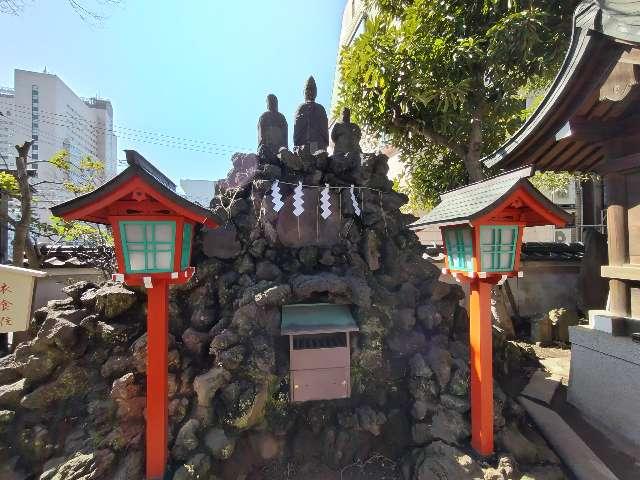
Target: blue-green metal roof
(316, 318)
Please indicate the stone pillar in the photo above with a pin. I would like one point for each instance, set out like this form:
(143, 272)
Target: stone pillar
(615, 186)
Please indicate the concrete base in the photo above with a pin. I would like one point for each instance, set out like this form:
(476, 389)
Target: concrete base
(604, 383)
(576, 454)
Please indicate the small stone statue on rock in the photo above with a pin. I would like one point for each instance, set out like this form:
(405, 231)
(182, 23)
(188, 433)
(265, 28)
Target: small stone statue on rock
(346, 135)
(273, 130)
(311, 124)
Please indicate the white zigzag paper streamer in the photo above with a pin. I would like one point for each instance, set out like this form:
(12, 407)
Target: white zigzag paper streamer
(298, 200)
(276, 196)
(356, 208)
(325, 202)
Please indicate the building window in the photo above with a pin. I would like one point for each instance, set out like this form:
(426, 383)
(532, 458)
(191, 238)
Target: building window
(34, 138)
(34, 147)
(34, 156)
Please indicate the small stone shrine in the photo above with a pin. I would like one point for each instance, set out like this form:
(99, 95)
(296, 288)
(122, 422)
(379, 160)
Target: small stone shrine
(306, 228)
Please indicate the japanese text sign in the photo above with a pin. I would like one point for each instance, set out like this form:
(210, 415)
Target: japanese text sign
(16, 294)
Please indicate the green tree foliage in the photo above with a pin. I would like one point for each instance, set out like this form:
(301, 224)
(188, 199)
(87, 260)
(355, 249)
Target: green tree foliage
(80, 177)
(443, 80)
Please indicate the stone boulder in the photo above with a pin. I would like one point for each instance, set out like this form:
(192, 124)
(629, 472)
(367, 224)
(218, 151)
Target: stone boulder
(450, 426)
(208, 384)
(219, 444)
(11, 394)
(221, 242)
(73, 381)
(113, 299)
(186, 440)
(441, 461)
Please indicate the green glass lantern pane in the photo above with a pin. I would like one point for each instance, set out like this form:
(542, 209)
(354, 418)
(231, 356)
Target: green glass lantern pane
(134, 232)
(163, 233)
(136, 261)
(186, 246)
(148, 247)
(459, 243)
(498, 245)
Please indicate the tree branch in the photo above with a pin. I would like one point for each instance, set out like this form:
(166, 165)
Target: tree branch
(408, 123)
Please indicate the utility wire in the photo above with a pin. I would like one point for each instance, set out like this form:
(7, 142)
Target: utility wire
(151, 140)
(27, 112)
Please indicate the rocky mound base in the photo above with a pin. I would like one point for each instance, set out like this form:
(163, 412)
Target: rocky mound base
(72, 399)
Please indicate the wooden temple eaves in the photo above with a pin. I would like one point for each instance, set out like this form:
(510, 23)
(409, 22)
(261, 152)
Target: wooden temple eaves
(592, 105)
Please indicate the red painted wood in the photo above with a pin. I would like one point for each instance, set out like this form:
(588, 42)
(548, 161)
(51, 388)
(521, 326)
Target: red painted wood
(480, 343)
(540, 215)
(99, 211)
(157, 378)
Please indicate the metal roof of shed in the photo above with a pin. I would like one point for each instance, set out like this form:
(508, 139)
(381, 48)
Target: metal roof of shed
(316, 318)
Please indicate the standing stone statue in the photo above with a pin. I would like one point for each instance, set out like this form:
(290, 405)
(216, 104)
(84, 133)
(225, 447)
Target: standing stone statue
(311, 125)
(273, 130)
(346, 135)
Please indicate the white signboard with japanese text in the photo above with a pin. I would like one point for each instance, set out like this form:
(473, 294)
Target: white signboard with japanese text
(16, 294)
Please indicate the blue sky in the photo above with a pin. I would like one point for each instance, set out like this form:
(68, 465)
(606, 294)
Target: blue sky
(200, 71)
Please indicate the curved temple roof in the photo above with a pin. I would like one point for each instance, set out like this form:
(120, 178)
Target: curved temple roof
(560, 134)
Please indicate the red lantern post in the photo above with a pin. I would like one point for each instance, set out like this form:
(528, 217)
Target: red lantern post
(482, 226)
(153, 230)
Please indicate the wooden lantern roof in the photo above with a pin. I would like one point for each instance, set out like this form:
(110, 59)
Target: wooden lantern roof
(141, 189)
(594, 98)
(509, 197)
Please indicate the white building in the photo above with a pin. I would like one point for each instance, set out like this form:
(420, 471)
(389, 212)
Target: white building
(42, 108)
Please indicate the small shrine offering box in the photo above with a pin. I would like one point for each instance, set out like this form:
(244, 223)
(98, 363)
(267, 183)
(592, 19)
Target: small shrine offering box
(16, 295)
(320, 359)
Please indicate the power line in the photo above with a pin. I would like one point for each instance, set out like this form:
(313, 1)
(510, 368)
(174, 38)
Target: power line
(150, 140)
(116, 128)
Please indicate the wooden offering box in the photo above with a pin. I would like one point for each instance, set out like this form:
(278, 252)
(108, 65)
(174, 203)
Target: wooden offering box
(320, 360)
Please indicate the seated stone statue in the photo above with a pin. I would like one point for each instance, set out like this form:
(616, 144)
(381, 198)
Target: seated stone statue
(273, 130)
(346, 135)
(311, 125)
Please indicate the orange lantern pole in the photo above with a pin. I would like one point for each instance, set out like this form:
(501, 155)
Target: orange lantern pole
(153, 228)
(482, 226)
(480, 346)
(157, 377)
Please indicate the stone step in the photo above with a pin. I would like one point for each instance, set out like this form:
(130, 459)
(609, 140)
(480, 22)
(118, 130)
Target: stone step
(542, 386)
(575, 454)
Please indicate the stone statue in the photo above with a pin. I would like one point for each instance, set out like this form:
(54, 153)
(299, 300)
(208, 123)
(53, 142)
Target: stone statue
(273, 130)
(346, 135)
(311, 125)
